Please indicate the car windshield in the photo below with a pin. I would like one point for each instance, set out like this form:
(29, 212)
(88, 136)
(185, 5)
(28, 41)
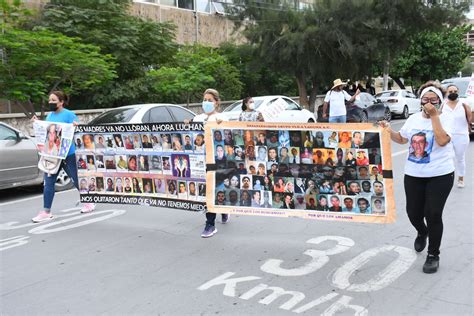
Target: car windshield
(123, 115)
(387, 94)
(237, 106)
(462, 86)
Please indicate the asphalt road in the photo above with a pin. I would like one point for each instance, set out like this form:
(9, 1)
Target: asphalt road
(122, 260)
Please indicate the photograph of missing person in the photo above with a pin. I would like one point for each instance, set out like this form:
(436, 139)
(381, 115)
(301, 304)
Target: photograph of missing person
(187, 142)
(143, 164)
(121, 163)
(127, 188)
(176, 142)
(199, 144)
(88, 142)
(156, 165)
(78, 142)
(83, 185)
(192, 190)
(90, 162)
(147, 185)
(117, 141)
(118, 185)
(100, 184)
(99, 162)
(128, 141)
(146, 142)
(81, 162)
(159, 186)
(132, 164)
(166, 160)
(109, 185)
(421, 145)
(182, 190)
(136, 141)
(100, 142)
(314, 170)
(171, 189)
(156, 141)
(137, 185)
(378, 205)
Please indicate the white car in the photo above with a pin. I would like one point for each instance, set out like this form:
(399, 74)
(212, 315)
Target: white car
(400, 102)
(144, 113)
(293, 111)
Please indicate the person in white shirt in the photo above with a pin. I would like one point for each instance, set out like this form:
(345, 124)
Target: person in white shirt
(429, 170)
(210, 106)
(462, 118)
(335, 99)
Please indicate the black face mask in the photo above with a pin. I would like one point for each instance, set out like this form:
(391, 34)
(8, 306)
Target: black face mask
(453, 96)
(53, 106)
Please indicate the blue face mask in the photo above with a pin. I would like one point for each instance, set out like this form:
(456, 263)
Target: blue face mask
(207, 106)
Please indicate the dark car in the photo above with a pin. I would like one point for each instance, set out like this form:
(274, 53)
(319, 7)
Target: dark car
(364, 109)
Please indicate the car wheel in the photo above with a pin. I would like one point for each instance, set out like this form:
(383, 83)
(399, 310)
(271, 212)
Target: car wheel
(364, 118)
(405, 113)
(387, 116)
(63, 182)
(310, 121)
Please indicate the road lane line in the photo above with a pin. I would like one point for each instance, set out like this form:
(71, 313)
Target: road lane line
(32, 198)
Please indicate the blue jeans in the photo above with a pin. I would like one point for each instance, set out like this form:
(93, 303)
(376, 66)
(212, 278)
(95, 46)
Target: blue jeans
(337, 119)
(69, 165)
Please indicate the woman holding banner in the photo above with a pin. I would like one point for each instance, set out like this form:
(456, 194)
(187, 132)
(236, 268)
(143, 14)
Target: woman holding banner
(59, 114)
(248, 111)
(429, 170)
(211, 106)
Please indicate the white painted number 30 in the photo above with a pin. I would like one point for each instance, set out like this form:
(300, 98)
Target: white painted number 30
(341, 277)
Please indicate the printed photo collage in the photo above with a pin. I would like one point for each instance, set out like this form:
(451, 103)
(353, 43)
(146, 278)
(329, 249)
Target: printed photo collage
(315, 170)
(166, 165)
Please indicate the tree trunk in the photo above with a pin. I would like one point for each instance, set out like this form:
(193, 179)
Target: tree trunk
(399, 82)
(302, 92)
(386, 68)
(312, 97)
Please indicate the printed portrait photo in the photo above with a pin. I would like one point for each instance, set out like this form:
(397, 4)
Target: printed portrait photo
(176, 142)
(127, 188)
(109, 185)
(90, 162)
(192, 190)
(128, 141)
(132, 164)
(143, 164)
(118, 185)
(137, 185)
(110, 163)
(100, 184)
(188, 142)
(421, 144)
(117, 140)
(147, 185)
(83, 185)
(78, 142)
(99, 162)
(100, 142)
(378, 205)
(156, 165)
(88, 141)
(245, 182)
(182, 190)
(166, 160)
(136, 141)
(156, 141)
(121, 163)
(146, 141)
(159, 186)
(171, 189)
(81, 162)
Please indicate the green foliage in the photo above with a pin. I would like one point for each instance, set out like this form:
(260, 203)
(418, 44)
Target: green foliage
(136, 44)
(257, 79)
(193, 69)
(433, 55)
(40, 61)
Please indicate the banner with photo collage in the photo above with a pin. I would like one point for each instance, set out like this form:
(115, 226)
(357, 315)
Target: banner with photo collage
(160, 164)
(319, 171)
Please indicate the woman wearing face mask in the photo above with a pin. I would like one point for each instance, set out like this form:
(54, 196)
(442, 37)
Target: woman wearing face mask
(248, 111)
(462, 118)
(59, 114)
(429, 170)
(211, 106)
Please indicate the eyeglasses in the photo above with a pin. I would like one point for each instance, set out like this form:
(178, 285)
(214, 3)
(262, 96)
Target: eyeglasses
(430, 100)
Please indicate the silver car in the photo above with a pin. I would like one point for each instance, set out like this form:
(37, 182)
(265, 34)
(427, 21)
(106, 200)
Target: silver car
(19, 161)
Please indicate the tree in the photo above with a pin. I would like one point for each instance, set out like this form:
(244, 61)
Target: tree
(194, 69)
(41, 61)
(433, 55)
(136, 44)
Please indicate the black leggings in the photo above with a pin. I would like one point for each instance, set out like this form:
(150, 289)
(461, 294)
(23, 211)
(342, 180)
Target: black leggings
(211, 218)
(426, 198)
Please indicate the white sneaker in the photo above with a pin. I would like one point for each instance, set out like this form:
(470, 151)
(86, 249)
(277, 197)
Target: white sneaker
(460, 183)
(42, 217)
(88, 207)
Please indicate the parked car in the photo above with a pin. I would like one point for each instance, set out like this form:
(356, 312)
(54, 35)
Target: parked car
(19, 161)
(462, 83)
(144, 113)
(401, 102)
(293, 112)
(364, 109)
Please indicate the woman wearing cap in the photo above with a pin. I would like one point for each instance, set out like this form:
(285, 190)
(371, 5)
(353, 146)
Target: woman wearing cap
(462, 118)
(248, 111)
(429, 170)
(336, 98)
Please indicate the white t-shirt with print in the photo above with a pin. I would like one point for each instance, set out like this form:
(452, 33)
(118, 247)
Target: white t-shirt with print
(425, 157)
(336, 99)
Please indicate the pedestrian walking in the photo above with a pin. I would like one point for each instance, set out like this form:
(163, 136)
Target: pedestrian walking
(249, 114)
(462, 119)
(429, 170)
(211, 107)
(335, 101)
(59, 114)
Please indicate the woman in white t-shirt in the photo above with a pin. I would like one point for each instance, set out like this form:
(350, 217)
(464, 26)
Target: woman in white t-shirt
(429, 170)
(462, 116)
(210, 106)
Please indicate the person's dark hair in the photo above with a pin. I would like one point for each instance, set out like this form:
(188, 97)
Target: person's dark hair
(432, 83)
(61, 96)
(377, 181)
(244, 103)
(366, 201)
(347, 199)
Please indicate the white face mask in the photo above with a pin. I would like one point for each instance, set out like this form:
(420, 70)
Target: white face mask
(251, 105)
